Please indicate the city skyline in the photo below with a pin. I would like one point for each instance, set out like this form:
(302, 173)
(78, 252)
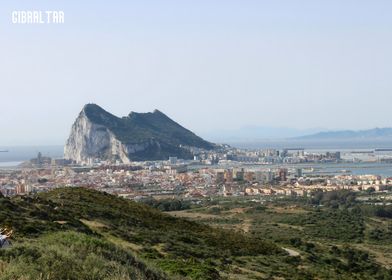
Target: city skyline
(303, 65)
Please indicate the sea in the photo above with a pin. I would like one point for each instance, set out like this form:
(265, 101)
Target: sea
(348, 149)
(12, 156)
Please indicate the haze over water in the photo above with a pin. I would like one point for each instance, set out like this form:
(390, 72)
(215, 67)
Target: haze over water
(315, 144)
(18, 154)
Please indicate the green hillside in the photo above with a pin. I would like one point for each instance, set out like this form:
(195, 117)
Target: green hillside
(75, 233)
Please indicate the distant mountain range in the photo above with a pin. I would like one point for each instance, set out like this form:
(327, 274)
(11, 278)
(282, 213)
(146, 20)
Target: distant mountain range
(370, 134)
(256, 133)
(99, 135)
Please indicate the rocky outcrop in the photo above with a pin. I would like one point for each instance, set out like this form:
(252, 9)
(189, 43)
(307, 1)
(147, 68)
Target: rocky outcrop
(98, 135)
(89, 142)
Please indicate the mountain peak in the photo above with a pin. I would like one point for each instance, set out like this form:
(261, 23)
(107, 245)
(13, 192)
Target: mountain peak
(139, 136)
(91, 106)
(156, 111)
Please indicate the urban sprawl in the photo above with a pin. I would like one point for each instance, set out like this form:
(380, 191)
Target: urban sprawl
(229, 172)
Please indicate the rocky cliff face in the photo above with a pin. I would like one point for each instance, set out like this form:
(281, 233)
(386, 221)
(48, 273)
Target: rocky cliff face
(89, 141)
(98, 135)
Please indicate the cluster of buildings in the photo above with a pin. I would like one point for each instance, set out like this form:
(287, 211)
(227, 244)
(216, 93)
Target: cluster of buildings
(178, 178)
(273, 156)
(224, 172)
(226, 155)
(305, 187)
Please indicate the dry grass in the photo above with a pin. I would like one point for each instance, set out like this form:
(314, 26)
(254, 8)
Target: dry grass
(381, 253)
(98, 226)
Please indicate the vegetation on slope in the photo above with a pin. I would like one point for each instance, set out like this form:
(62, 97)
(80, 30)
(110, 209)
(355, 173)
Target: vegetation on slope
(345, 240)
(76, 233)
(71, 255)
(78, 227)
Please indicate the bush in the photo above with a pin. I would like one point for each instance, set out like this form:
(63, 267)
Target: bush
(70, 255)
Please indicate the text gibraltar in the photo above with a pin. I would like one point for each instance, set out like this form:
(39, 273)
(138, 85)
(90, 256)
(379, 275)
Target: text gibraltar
(37, 17)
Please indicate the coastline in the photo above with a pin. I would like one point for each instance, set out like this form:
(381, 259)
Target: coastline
(10, 164)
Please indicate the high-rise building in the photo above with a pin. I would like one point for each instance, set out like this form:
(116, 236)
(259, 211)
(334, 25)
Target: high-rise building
(39, 158)
(282, 174)
(228, 175)
(249, 176)
(220, 177)
(238, 174)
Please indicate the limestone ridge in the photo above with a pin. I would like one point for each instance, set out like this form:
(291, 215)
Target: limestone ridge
(98, 135)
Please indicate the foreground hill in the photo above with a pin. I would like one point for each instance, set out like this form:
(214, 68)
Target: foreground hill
(75, 233)
(97, 134)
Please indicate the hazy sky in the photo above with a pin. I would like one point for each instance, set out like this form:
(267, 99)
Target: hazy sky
(208, 64)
